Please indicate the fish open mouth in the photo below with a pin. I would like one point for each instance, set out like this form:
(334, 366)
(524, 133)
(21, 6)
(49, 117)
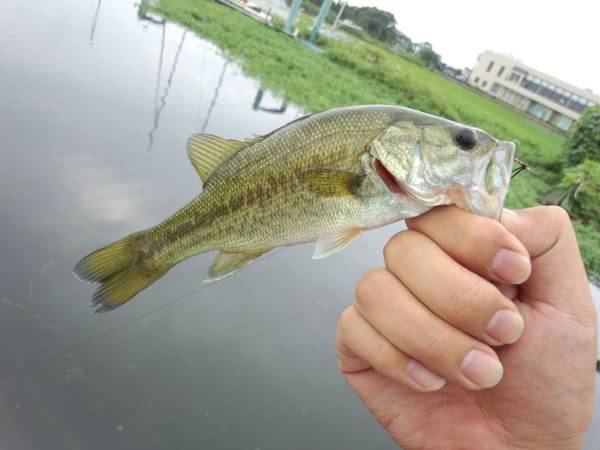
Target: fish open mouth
(386, 176)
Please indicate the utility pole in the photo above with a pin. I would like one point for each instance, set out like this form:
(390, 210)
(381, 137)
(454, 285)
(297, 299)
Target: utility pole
(339, 16)
(289, 23)
(320, 19)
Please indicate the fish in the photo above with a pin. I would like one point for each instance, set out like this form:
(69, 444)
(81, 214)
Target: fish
(325, 177)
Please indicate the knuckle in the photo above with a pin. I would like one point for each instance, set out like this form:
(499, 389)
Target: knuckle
(345, 320)
(370, 285)
(468, 301)
(489, 231)
(496, 233)
(386, 361)
(393, 249)
(433, 343)
(390, 249)
(559, 216)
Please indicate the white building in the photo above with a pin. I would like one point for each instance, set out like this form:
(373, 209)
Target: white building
(547, 98)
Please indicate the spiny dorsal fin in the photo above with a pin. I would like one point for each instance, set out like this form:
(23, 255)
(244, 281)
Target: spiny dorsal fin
(227, 263)
(207, 152)
(331, 182)
(329, 244)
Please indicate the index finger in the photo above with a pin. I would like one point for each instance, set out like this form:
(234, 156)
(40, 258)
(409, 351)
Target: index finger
(480, 244)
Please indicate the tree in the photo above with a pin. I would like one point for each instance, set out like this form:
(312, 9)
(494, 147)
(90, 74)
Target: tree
(429, 57)
(583, 141)
(379, 24)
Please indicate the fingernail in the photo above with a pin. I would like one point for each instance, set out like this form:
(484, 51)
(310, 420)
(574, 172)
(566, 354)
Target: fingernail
(506, 326)
(482, 369)
(424, 377)
(511, 267)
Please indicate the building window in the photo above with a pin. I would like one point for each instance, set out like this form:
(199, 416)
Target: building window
(495, 88)
(484, 84)
(562, 122)
(476, 80)
(577, 106)
(501, 71)
(490, 65)
(515, 77)
(539, 111)
(513, 98)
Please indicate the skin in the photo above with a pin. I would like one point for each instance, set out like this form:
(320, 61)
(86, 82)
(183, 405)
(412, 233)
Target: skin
(431, 305)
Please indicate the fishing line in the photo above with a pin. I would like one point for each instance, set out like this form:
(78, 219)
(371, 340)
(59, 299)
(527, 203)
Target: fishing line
(39, 365)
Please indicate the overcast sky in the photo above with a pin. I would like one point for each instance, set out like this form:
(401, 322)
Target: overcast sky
(561, 38)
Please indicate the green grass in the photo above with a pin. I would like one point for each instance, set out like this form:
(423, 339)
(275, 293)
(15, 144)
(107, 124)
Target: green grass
(366, 73)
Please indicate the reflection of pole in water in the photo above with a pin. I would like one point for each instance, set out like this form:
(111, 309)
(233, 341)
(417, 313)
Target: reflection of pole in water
(256, 106)
(160, 64)
(148, 17)
(214, 100)
(203, 68)
(163, 99)
(95, 22)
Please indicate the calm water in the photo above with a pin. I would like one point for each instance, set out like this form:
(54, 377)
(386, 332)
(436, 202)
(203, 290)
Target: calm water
(96, 105)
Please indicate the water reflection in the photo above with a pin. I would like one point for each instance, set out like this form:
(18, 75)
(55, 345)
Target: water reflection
(163, 100)
(213, 102)
(257, 105)
(95, 22)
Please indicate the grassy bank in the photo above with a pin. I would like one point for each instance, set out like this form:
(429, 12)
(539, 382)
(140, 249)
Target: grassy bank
(364, 73)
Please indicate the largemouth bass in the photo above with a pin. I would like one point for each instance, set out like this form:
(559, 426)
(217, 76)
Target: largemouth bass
(325, 177)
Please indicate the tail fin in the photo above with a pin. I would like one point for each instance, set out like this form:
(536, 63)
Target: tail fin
(119, 273)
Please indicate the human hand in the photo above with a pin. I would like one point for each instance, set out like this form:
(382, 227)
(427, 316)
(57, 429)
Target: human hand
(431, 308)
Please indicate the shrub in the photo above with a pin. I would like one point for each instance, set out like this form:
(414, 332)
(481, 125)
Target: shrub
(583, 141)
(582, 196)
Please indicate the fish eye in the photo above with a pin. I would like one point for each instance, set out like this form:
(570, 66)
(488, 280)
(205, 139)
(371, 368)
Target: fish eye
(465, 139)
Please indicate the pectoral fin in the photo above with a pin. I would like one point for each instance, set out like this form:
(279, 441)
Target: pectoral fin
(332, 243)
(331, 182)
(227, 263)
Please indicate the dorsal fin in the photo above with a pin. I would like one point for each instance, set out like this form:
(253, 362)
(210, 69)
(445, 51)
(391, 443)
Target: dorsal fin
(207, 152)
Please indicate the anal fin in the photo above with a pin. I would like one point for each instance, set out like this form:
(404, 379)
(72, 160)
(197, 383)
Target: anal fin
(329, 244)
(227, 263)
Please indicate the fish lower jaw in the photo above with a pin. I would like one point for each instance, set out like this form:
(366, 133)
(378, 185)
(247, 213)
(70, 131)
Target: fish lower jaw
(478, 201)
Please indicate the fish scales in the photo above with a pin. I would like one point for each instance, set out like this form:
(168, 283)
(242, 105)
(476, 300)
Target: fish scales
(336, 143)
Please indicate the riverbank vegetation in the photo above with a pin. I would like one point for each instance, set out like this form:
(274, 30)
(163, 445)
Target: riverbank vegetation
(360, 72)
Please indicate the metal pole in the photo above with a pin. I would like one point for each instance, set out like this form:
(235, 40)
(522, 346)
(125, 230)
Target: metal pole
(320, 19)
(289, 24)
(339, 16)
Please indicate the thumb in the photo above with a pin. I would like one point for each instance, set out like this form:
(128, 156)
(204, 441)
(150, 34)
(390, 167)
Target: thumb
(558, 277)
